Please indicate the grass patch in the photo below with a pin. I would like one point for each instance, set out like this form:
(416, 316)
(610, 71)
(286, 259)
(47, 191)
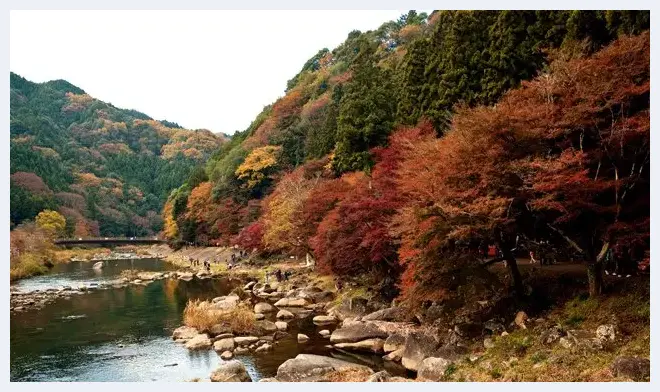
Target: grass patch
(29, 264)
(200, 315)
(451, 369)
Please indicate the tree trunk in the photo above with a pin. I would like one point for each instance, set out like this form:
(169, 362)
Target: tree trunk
(516, 279)
(595, 275)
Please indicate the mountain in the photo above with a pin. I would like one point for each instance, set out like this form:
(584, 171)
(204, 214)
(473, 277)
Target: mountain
(345, 102)
(107, 170)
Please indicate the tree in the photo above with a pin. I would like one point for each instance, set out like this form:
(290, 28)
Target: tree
(259, 166)
(51, 221)
(366, 113)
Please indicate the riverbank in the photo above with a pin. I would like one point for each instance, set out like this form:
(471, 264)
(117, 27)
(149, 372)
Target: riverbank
(576, 338)
(304, 329)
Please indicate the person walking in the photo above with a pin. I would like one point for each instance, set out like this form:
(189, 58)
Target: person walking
(531, 257)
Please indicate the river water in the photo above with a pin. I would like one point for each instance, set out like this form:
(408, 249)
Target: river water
(125, 334)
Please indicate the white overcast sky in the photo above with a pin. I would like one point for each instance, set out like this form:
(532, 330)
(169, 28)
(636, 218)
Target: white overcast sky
(201, 69)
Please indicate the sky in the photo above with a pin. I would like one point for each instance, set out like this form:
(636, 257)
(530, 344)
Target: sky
(201, 69)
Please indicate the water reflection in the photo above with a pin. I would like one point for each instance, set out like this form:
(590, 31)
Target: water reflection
(124, 334)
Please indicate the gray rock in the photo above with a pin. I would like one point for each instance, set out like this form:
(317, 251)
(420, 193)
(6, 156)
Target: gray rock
(281, 325)
(370, 345)
(224, 345)
(637, 369)
(284, 314)
(382, 376)
(230, 371)
(291, 302)
(224, 336)
(264, 348)
(184, 333)
(245, 340)
(417, 347)
(324, 332)
(249, 286)
(225, 303)
(227, 355)
(309, 367)
(324, 320)
(241, 350)
(302, 338)
(264, 327)
(432, 369)
(357, 332)
(389, 314)
(220, 329)
(552, 335)
(280, 335)
(199, 342)
(263, 307)
(259, 316)
(394, 342)
(606, 332)
(494, 327)
(489, 343)
(394, 356)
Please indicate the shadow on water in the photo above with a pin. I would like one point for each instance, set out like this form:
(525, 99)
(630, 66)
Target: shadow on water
(124, 334)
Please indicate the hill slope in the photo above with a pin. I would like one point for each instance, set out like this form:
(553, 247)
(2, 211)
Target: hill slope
(107, 170)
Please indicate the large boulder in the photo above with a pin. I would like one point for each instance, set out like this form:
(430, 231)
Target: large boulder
(263, 307)
(225, 303)
(637, 369)
(370, 345)
(349, 308)
(199, 342)
(389, 314)
(291, 302)
(357, 332)
(224, 345)
(432, 369)
(231, 371)
(264, 327)
(184, 333)
(417, 347)
(394, 342)
(284, 314)
(309, 367)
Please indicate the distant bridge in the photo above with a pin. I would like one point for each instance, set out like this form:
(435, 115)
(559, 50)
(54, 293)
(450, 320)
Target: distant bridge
(109, 241)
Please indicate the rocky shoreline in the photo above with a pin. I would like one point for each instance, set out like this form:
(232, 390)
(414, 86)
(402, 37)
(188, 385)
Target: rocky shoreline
(37, 299)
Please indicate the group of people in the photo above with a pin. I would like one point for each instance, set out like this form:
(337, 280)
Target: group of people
(233, 260)
(206, 264)
(279, 275)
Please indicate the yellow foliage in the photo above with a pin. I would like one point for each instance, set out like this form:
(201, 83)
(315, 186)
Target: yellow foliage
(170, 228)
(280, 210)
(51, 221)
(256, 165)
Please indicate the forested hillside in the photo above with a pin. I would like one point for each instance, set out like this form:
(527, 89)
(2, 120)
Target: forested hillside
(403, 147)
(108, 171)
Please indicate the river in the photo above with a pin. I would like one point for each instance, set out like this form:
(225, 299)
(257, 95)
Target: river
(124, 334)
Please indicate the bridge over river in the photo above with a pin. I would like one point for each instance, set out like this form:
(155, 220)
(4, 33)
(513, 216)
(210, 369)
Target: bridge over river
(109, 241)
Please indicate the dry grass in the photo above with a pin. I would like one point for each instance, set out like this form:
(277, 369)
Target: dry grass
(347, 375)
(200, 315)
